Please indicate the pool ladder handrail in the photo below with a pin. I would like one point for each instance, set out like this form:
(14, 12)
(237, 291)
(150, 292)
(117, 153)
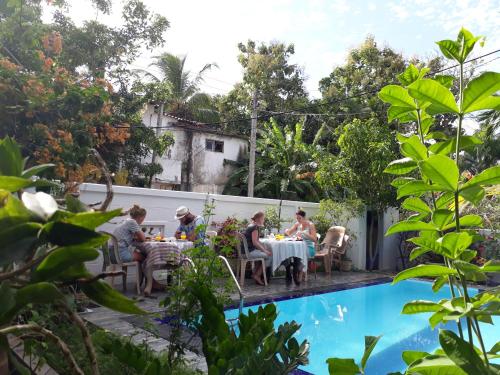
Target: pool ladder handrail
(242, 297)
(228, 266)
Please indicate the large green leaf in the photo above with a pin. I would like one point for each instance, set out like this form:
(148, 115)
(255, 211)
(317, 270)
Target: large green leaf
(12, 211)
(410, 356)
(491, 266)
(400, 181)
(445, 80)
(412, 147)
(370, 342)
(64, 234)
(38, 293)
(456, 242)
(401, 166)
(74, 204)
(466, 41)
(60, 259)
(445, 200)
(12, 183)
(11, 160)
(7, 301)
(417, 187)
(429, 244)
(409, 226)
(403, 114)
(438, 283)
(466, 221)
(442, 217)
(450, 49)
(410, 75)
(480, 88)
(490, 102)
(420, 306)
(435, 365)
(415, 204)
(449, 146)
(36, 170)
(342, 366)
(426, 124)
(461, 353)
(441, 170)
(424, 270)
(490, 176)
(428, 90)
(17, 242)
(92, 220)
(473, 194)
(106, 296)
(397, 96)
(471, 271)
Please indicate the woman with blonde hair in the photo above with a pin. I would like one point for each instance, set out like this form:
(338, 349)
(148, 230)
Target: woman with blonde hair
(129, 235)
(256, 248)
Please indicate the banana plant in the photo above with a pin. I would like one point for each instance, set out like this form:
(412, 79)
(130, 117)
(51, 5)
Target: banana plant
(430, 180)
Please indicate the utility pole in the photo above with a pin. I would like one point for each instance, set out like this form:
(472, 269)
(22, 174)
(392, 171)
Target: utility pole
(158, 133)
(253, 141)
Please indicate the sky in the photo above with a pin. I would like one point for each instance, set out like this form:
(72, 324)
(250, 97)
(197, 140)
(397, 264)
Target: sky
(323, 31)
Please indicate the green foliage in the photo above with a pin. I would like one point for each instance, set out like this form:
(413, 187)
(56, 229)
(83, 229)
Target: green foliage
(259, 348)
(442, 226)
(44, 249)
(284, 166)
(268, 71)
(343, 366)
(332, 212)
(430, 171)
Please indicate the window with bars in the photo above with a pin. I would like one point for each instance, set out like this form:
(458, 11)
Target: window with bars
(213, 145)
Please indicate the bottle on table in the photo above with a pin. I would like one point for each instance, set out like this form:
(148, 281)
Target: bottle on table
(183, 236)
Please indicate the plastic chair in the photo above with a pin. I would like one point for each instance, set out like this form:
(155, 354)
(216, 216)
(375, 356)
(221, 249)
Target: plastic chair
(112, 262)
(243, 259)
(334, 239)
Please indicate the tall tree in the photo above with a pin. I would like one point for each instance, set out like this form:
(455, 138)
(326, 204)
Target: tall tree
(185, 99)
(366, 147)
(54, 111)
(268, 71)
(284, 169)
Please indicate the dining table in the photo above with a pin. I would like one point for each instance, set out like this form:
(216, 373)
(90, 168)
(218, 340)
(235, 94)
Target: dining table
(283, 249)
(163, 254)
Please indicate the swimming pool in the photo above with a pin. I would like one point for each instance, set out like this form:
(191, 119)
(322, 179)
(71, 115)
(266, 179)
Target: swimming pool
(335, 324)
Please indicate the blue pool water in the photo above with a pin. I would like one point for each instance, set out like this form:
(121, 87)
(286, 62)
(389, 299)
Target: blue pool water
(336, 323)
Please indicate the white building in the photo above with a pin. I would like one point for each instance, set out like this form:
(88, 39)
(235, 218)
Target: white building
(196, 161)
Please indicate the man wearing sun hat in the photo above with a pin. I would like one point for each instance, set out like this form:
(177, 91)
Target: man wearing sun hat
(188, 223)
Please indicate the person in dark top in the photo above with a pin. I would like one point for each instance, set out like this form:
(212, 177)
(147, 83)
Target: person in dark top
(255, 247)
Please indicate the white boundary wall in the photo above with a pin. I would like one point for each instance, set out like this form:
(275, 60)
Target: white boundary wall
(161, 205)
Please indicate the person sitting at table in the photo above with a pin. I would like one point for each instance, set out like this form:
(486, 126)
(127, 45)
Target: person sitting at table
(306, 231)
(130, 236)
(256, 248)
(188, 223)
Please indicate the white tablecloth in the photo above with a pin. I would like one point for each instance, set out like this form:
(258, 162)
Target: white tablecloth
(283, 250)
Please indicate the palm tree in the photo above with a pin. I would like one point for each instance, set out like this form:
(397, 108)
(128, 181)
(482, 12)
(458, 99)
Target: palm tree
(184, 100)
(284, 166)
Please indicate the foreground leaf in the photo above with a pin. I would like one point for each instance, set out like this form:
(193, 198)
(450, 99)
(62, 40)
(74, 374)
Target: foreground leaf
(17, 242)
(370, 342)
(479, 88)
(461, 353)
(401, 166)
(424, 270)
(61, 259)
(442, 170)
(342, 366)
(106, 296)
(428, 90)
(420, 306)
(92, 220)
(64, 234)
(490, 176)
(409, 226)
(410, 356)
(435, 365)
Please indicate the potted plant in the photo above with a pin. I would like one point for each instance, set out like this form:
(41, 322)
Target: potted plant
(346, 264)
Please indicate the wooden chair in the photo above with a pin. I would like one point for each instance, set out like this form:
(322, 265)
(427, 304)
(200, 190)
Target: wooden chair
(334, 239)
(243, 259)
(112, 262)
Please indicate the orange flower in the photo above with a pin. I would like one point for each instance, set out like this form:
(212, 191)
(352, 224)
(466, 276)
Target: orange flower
(8, 65)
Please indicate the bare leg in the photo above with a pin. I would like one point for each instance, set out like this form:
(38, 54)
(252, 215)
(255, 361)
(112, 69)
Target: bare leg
(149, 281)
(257, 274)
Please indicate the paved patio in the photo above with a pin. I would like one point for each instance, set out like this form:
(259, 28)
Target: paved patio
(121, 324)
